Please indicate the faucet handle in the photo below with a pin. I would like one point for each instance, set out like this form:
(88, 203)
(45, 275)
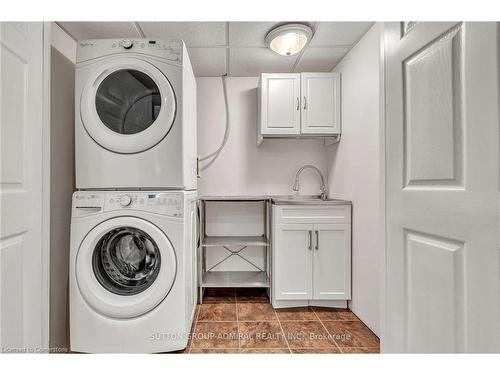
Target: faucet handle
(323, 193)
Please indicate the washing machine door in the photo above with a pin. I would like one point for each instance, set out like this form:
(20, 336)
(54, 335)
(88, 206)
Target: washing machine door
(125, 267)
(127, 105)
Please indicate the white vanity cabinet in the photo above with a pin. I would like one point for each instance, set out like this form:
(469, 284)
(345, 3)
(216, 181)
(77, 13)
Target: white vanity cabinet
(311, 255)
(292, 247)
(299, 104)
(331, 263)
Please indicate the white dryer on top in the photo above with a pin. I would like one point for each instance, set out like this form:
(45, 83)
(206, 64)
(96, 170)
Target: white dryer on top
(135, 115)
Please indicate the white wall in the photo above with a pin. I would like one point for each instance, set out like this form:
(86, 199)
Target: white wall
(243, 168)
(353, 170)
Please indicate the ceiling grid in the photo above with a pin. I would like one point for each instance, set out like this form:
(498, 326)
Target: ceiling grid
(235, 48)
(314, 26)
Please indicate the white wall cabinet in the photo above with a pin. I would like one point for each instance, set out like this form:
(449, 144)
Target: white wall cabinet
(320, 111)
(311, 255)
(298, 104)
(280, 104)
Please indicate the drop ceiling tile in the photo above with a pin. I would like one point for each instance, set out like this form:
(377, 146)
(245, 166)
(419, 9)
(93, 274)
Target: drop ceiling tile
(250, 62)
(194, 34)
(208, 62)
(250, 34)
(320, 59)
(98, 30)
(339, 33)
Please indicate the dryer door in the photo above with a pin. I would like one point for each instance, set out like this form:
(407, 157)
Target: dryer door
(127, 105)
(125, 267)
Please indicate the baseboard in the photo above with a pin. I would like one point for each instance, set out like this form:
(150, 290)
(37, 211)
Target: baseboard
(339, 304)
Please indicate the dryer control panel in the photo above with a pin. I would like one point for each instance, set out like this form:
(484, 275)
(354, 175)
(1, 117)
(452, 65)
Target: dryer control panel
(94, 48)
(163, 203)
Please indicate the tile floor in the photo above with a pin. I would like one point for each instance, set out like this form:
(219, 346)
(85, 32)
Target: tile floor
(243, 321)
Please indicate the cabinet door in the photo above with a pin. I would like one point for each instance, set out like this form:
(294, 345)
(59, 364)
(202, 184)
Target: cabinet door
(320, 103)
(292, 261)
(332, 261)
(280, 104)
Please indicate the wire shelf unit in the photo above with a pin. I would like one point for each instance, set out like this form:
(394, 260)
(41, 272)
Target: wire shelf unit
(233, 245)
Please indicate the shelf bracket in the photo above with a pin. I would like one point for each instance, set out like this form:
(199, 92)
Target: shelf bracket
(329, 141)
(234, 253)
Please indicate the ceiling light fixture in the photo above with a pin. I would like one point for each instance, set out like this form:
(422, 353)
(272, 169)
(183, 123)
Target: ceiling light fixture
(288, 39)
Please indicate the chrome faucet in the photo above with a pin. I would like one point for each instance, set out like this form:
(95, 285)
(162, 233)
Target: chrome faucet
(323, 186)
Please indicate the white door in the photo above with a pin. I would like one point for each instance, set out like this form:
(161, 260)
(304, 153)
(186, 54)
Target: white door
(280, 104)
(320, 103)
(292, 259)
(442, 131)
(332, 262)
(23, 315)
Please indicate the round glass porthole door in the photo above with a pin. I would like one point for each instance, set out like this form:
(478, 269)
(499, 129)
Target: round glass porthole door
(126, 261)
(127, 105)
(128, 101)
(125, 267)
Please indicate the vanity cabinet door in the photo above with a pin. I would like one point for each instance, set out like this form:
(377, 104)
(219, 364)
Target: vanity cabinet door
(320, 103)
(332, 262)
(293, 248)
(280, 104)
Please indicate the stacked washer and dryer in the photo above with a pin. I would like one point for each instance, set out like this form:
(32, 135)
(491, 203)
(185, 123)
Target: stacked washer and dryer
(133, 231)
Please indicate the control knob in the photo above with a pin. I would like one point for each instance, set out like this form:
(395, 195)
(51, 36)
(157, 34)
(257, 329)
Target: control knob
(125, 201)
(127, 43)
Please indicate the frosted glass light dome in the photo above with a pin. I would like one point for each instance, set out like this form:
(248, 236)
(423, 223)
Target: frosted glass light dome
(288, 39)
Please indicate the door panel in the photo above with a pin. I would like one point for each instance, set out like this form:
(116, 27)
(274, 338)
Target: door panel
(428, 257)
(280, 104)
(320, 103)
(442, 277)
(292, 261)
(434, 125)
(332, 261)
(21, 279)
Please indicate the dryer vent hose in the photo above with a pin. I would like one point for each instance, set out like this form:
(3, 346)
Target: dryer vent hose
(210, 158)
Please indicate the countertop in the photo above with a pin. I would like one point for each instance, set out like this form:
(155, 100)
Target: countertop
(279, 199)
(234, 198)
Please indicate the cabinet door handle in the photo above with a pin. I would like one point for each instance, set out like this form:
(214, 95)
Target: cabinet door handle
(310, 239)
(305, 102)
(298, 103)
(317, 240)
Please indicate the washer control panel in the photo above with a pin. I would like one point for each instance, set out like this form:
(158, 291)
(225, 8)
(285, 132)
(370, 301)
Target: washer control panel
(163, 203)
(88, 200)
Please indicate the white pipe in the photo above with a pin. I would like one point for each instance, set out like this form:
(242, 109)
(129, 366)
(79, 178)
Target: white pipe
(214, 155)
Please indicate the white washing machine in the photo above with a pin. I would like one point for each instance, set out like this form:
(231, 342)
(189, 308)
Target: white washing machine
(135, 115)
(132, 271)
